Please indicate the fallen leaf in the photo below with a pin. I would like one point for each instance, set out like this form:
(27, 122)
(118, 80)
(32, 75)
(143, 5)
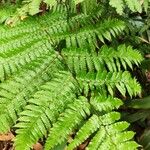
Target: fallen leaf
(37, 146)
(6, 137)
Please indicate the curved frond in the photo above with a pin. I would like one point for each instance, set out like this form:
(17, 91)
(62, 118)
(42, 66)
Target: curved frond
(103, 103)
(134, 5)
(26, 83)
(91, 126)
(44, 109)
(104, 30)
(122, 81)
(107, 134)
(59, 76)
(86, 60)
(72, 116)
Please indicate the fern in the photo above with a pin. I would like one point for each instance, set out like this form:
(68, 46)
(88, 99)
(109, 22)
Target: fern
(101, 124)
(65, 123)
(32, 7)
(6, 10)
(121, 80)
(106, 58)
(134, 5)
(45, 108)
(60, 73)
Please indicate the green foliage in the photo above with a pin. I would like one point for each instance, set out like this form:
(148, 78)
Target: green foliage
(60, 73)
(6, 10)
(134, 5)
(32, 7)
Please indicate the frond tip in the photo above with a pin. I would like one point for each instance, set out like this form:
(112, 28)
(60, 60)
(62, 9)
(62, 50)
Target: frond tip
(133, 5)
(105, 133)
(72, 116)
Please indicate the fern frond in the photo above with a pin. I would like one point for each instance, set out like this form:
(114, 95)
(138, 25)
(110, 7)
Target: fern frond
(57, 80)
(108, 134)
(26, 83)
(88, 6)
(18, 61)
(120, 80)
(44, 108)
(86, 60)
(103, 103)
(97, 139)
(32, 7)
(92, 126)
(65, 124)
(117, 138)
(88, 34)
(134, 5)
(6, 10)
(31, 26)
(124, 55)
(119, 5)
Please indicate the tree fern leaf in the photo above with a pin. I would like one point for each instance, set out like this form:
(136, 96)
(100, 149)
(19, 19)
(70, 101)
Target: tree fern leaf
(50, 61)
(114, 132)
(17, 62)
(109, 57)
(133, 5)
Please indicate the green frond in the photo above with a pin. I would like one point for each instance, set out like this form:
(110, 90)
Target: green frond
(91, 126)
(72, 116)
(97, 139)
(122, 81)
(89, 5)
(17, 90)
(21, 60)
(32, 25)
(119, 5)
(133, 5)
(86, 60)
(86, 130)
(59, 73)
(124, 55)
(103, 103)
(105, 134)
(6, 10)
(117, 138)
(44, 109)
(87, 35)
(32, 7)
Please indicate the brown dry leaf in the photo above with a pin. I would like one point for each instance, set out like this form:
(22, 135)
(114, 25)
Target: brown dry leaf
(37, 146)
(83, 146)
(6, 137)
(148, 76)
(147, 56)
